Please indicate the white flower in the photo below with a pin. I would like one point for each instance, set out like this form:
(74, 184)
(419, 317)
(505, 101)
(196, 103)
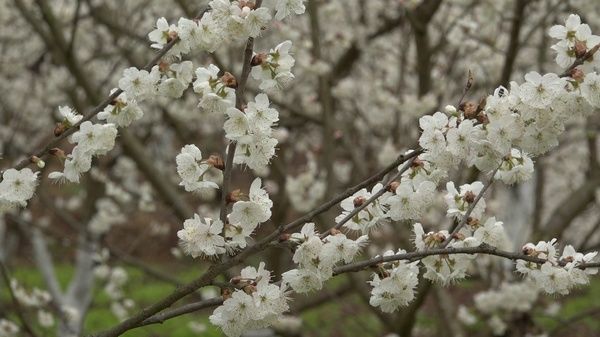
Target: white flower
(248, 214)
(160, 36)
(567, 31)
(396, 290)
(189, 33)
(139, 84)
(503, 130)
(307, 231)
(96, 139)
(306, 189)
(275, 71)
(251, 309)
(590, 89)
(369, 217)
(256, 20)
(459, 203)
(434, 128)
(77, 162)
(492, 233)
(462, 139)
(302, 280)
(18, 186)
(69, 115)
(192, 170)
(340, 248)
(233, 316)
(446, 269)
(410, 203)
(260, 117)
(236, 124)
(540, 91)
(497, 325)
(285, 8)
(121, 111)
(515, 168)
(201, 238)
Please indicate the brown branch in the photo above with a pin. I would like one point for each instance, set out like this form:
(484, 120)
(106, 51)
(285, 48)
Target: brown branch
(239, 104)
(418, 255)
(513, 45)
(217, 269)
(580, 60)
(182, 310)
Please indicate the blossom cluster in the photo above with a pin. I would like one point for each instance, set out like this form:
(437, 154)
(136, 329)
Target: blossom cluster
(91, 140)
(252, 131)
(394, 285)
(500, 135)
(316, 257)
(208, 238)
(193, 170)
(256, 304)
(556, 275)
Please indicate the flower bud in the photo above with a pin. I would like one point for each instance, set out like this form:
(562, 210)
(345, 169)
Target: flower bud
(568, 259)
(57, 153)
(258, 59)
(235, 280)
(580, 49)
(473, 222)
(335, 231)
(482, 118)
(450, 109)
(229, 80)
(37, 161)
(59, 129)
(284, 237)
(234, 196)
(577, 74)
(528, 249)
(393, 186)
(216, 161)
(163, 66)
(359, 201)
(439, 237)
(416, 163)
(469, 197)
(226, 293)
(469, 110)
(249, 289)
(246, 3)
(172, 36)
(458, 236)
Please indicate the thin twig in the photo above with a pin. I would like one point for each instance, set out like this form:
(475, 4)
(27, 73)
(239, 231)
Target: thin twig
(372, 199)
(465, 218)
(413, 256)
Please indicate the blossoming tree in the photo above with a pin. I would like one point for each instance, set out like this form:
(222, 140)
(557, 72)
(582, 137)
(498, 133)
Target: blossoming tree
(276, 145)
